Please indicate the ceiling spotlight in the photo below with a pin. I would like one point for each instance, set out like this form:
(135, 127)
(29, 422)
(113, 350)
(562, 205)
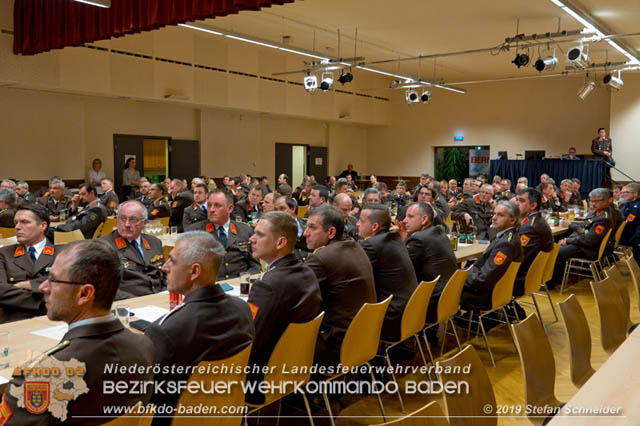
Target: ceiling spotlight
(521, 60)
(613, 81)
(546, 64)
(411, 96)
(327, 81)
(586, 89)
(310, 83)
(425, 97)
(345, 78)
(578, 57)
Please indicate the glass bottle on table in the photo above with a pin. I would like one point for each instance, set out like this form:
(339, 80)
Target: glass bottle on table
(455, 236)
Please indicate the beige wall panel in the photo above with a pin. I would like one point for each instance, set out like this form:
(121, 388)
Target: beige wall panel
(298, 100)
(40, 70)
(172, 79)
(625, 117)
(243, 57)
(6, 14)
(272, 97)
(322, 106)
(209, 50)
(142, 43)
(210, 87)
(348, 144)
(86, 70)
(132, 76)
(174, 42)
(243, 92)
(271, 61)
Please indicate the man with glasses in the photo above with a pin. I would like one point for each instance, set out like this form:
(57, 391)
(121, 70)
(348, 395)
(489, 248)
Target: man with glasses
(24, 266)
(571, 155)
(477, 210)
(55, 200)
(140, 254)
(584, 241)
(79, 291)
(631, 211)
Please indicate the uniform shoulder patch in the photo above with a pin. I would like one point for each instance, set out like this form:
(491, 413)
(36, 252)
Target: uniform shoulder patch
(631, 217)
(499, 258)
(525, 220)
(19, 251)
(154, 212)
(48, 251)
(146, 244)
(5, 411)
(599, 229)
(112, 204)
(232, 228)
(524, 240)
(254, 309)
(175, 204)
(209, 227)
(120, 243)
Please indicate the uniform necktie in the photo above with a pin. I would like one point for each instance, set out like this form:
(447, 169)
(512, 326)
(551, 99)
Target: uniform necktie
(135, 245)
(222, 236)
(32, 254)
(204, 209)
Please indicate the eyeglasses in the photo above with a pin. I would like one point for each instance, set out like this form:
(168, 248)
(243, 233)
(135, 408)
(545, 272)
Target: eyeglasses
(131, 220)
(51, 279)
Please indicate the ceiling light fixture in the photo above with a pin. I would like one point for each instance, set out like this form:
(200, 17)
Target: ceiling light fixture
(411, 96)
(521, 60)
(310, 83)
(586, 89)
(100, 3)
(345, 78)
(612, 81)
(327, 81)
(579, 57)
(425, 97)
(546, 64)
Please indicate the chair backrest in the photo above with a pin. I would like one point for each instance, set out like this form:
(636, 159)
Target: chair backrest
(7, 232)
(67, 237)
(429, 415)
(613, 324)
(98, 231)
(302, 210)
(361, 341)
(503, 290)
(634, 271)
(603, 244)
(538, 365)
(233, 398)
(415, 313)
(577, 327)
(449, 301)
(295, 349)
(164, 220)
(620, 283)
(619, 234)
(109, 225)
(477, 407)
(534, 274)
(551, 261)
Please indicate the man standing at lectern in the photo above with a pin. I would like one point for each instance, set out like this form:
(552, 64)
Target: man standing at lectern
(602, 148)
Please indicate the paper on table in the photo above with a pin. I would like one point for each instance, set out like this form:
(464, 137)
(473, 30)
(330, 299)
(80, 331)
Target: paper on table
(3, 380)
(149, 313)
(55, 333)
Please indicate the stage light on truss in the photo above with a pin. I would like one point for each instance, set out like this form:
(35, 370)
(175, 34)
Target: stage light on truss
(327, 81)
(425, 97)
(586, 89)
(578, 57)
(613, 81)
(310, 83)
(345, 78)
(546, 64)
(521, 60)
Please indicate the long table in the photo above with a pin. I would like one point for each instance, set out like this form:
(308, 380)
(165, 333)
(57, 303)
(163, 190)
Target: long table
(612, 395)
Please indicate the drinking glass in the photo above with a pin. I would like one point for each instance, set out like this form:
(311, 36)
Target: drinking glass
(122, 313)
(4, 349)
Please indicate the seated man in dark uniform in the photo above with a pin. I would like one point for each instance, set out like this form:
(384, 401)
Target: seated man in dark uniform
(289, 206)
(55, 200)
(87, 214)
(145, 188)
(287, 292)
(344, 203)
(550, 200)
(196, 212)
(24, 196)
(24, 266)
(109, 198)
(210, 325)
(248, 208)
(586, 235)
(477, 210)
(180, 198)
(141, 255)
(345, 276)
(393, 271)
(234, 236)
(8, 204)
(631, 211)
(79, 291)
(158, 205)
(494, 262)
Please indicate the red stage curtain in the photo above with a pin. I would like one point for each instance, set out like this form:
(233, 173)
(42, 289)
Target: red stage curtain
(41, 25)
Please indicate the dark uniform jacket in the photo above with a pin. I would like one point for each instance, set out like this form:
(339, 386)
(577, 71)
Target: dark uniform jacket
(631, 234)
(179, 204)
(95, 345)
(599, 146)
(55, 208)
(208, 326)
(145, 200)
(401, 200)
(480, 212)
(27, 198)
(535, 236)
(140, 277)
(588, 234)
(442, 205)
(193, 214)
(86, 220)
(6, 218)
(432, 255)
(345, 276)
(351, 227)
(393, 274)
(237, 253)
(287, 293)
(549, 204)
(15, 266)
(489, 268)
(110, 201)
(616, 218)
(242, 210)
(159, 208)
(301, 250)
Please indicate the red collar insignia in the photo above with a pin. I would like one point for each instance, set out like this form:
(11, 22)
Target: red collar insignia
(232, 228)
(599, 212)
(631, 217)
(146, 244)
(525, 220)
(48, 251)
(195, 206)
(120, 243)
(175, 204)
(209, 227)
(477, 199)
(19, 251)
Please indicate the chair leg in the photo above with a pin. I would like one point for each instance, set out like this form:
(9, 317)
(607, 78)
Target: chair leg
(444, 337)
(306, 404)
(486, 341)
(328, 407)
(553, 309)
(424, 360)
(535, 303)
(393, 375)
(279, 410)
(426, 342)
(513, 338)
(567, 266)
(515, 312)
(455, 333)
(469, 328)
(373, 378)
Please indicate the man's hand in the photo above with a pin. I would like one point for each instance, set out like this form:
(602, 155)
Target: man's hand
(24, 284)
(565, 223)
(562, 242)
(401, 228)
(468, 219)
(607, 153)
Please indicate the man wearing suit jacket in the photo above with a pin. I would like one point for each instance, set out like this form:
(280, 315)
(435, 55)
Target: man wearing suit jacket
(210, 325)
(24, 266)
(158, 205)
(180, 199)
(287, 292)
(141, 255)
(429, 249)
(234, 236)
(492, 265)
(248, 207)
(196, 212)
(88, 213)
(345, 276)
(109, 198)
(477, 210)
(392, 269)
(289, 205)
(79, 291)
(55, 200)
